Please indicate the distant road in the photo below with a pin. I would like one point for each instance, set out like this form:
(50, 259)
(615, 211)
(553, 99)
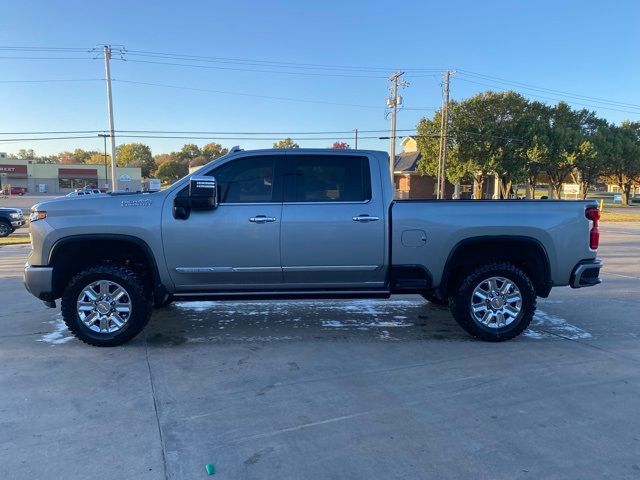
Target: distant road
(25, 202)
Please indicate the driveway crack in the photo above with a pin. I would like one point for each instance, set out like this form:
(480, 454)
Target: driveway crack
(155, 409)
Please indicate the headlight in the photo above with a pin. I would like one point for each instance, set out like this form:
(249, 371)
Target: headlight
(37, 215)
(15, 215)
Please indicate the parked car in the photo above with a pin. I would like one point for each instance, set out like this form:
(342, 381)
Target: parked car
(82, 192)
(18, 191)
(10, 220)
(304, 224)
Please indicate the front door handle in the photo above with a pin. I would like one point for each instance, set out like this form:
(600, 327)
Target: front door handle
(262, 219)
(365, 218)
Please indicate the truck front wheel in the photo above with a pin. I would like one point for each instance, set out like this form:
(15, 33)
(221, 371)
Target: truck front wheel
(106, 305)
(494, 302)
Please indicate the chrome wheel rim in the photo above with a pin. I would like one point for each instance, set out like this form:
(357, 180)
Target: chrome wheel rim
(4, 230)
(104, 306)
(496, 302)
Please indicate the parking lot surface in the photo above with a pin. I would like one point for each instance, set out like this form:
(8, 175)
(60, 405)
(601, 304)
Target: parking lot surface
(388, 389)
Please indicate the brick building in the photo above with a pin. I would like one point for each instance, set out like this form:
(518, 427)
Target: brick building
(411, 184)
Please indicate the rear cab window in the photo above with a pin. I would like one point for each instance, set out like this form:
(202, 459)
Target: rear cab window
(327, 179)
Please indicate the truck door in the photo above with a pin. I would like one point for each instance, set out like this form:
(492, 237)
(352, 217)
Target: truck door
(333, 228)
(236, 245)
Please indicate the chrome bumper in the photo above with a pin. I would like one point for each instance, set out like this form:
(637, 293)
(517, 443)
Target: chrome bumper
(39, 281)
(586, 274)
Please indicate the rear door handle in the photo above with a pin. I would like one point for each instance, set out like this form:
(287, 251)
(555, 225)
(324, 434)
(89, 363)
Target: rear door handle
(262, 219)
(365, 218)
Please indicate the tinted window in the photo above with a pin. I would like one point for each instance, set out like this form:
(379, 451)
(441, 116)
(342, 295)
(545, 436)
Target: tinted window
(328, 179)
(246, 180)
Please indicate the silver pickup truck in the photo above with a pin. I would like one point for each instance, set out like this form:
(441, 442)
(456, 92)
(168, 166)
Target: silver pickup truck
(303, 224)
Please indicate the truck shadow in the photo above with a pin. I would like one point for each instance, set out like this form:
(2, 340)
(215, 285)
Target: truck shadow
(390, 320)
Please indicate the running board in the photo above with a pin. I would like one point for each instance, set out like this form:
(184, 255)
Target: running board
(281, 295)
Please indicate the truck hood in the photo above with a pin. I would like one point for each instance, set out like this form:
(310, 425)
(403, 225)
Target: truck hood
(107, 200)
(111, 204)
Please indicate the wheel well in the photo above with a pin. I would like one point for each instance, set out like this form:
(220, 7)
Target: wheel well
(526, 253)
(73, 255)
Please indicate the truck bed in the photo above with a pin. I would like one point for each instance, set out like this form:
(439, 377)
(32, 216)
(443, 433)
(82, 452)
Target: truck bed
(427, 232)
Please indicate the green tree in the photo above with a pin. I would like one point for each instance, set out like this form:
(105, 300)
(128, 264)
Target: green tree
(286, 143)
(98, 159)
(165, 157)
(428, 140)
(81, 156)
(136, 155)
(624, 166)
(565, 130)
(213, 150)
(171, 170)
(590, 162)
(189, 152)
(485, 128)
(25, 154)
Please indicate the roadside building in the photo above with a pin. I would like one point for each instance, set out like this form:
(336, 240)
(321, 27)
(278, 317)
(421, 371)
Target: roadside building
(56, 178)
(409, 182)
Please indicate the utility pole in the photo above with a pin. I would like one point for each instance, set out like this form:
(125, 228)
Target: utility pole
(107, 57)
(393, 103)
(356, 130)
(106, 163)
(444, 125)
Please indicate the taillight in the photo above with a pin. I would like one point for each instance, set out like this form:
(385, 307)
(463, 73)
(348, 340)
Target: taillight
(593, 214)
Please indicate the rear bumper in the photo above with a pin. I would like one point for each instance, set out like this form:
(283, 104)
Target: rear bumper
(39, 281)
(586, 273)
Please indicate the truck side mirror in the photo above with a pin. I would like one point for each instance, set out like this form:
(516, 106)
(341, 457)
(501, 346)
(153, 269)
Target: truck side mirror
(203, 193)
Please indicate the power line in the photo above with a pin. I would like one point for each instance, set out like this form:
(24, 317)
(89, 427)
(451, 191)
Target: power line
(270, 62)
(549, 98)
(44, 49)
(45, 138)
(45, 58)
(548, 90)
(314, 74)
(223, 92)
(55, 80)
(203, 132)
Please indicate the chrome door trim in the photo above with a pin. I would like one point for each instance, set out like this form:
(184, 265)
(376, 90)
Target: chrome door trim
(227, 269)
(329, 268)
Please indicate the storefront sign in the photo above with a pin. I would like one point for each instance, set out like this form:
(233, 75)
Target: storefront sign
(18, 170)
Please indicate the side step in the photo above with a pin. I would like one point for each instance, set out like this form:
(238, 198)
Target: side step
(281, 295)
(410, 279)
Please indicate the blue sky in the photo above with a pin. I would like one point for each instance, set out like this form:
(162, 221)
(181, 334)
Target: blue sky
(583, 47)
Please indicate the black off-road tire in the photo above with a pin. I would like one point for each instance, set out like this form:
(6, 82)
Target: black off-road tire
(460, 302)
(435, 299)
(5, 229)
(141, 305)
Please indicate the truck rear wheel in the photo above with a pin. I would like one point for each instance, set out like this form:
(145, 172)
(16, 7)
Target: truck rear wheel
(494, 302)
(106, 305)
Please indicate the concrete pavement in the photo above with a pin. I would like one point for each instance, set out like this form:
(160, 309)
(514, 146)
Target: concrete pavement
(341, 390)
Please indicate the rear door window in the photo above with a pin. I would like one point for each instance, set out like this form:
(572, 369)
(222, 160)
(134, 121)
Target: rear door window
(327, 178)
